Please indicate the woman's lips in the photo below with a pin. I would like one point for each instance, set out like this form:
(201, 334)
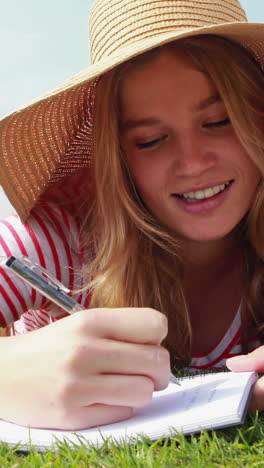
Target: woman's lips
(204, 205)
(205, 187)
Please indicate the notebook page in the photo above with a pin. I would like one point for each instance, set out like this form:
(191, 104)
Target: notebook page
(207, 401)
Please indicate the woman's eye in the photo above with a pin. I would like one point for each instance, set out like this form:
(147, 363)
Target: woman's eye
(149, 144)
(219, 123)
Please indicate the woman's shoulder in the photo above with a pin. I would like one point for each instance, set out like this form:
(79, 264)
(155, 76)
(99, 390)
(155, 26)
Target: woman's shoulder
(57, 219)
(50, 237)
(47, 218)
(51, 234)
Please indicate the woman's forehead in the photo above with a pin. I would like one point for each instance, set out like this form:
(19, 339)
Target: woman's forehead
(165, 75)
(169, 52)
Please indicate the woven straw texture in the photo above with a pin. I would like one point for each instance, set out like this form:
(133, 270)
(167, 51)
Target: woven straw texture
(52, 138)
(109, 35)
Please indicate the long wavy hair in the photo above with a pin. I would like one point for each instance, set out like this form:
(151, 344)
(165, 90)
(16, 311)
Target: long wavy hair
(137, 262)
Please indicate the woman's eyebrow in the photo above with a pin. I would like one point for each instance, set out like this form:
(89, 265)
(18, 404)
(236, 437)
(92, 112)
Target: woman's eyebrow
(131, 123)
(134, 123)
(207, 102)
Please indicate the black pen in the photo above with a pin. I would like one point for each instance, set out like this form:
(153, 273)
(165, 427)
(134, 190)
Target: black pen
(43, 282)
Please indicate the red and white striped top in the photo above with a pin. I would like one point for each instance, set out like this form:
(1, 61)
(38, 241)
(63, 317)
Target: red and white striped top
(229, 346)
(51, 237)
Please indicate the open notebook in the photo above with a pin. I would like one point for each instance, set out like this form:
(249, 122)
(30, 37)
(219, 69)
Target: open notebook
(200, 402)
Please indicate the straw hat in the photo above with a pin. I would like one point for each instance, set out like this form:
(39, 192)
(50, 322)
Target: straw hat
(52, 138)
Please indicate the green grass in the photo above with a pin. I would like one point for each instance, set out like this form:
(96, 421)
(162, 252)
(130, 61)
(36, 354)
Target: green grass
(232, 447)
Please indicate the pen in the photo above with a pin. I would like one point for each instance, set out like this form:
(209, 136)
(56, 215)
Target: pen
(43, 282)
(47, 285)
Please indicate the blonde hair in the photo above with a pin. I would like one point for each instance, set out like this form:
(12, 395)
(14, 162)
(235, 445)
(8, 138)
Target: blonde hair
(137, 261)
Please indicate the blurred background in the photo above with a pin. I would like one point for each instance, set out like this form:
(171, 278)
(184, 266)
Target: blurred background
(45, 42)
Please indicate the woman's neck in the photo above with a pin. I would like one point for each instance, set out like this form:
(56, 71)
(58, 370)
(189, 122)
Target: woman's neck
(212, 254)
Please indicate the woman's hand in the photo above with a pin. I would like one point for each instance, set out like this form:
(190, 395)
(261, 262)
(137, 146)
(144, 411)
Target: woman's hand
(253, 361)
(88, 369)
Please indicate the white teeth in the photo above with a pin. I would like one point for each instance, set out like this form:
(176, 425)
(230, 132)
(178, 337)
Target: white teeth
(207, 193)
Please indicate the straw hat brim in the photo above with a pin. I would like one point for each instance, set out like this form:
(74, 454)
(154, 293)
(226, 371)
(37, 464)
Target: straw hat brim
(27, 165)
(249, 35)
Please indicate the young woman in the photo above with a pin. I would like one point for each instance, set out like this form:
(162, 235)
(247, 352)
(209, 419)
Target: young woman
(160, 238)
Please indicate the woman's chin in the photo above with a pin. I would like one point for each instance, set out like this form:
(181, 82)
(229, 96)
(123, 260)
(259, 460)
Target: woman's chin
(205, 236)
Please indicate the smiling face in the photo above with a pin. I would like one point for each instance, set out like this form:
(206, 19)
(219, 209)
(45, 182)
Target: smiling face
(185, 159)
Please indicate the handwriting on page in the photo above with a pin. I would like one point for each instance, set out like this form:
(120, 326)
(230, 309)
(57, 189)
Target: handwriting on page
(197, 396)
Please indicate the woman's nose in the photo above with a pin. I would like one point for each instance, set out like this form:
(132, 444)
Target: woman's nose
(193, 156)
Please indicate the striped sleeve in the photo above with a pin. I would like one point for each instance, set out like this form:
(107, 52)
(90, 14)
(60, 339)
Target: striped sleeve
(51, 238)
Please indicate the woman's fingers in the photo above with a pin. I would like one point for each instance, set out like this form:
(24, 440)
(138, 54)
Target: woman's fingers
(101, 356)
(135, 325)
(114, 390)
(253, 361)
(257, 396)
(96, 415)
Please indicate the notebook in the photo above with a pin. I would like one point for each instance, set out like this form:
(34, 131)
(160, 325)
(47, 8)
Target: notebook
(209, 401)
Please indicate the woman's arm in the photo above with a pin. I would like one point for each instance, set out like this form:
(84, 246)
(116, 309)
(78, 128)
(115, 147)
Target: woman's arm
(87, 369)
